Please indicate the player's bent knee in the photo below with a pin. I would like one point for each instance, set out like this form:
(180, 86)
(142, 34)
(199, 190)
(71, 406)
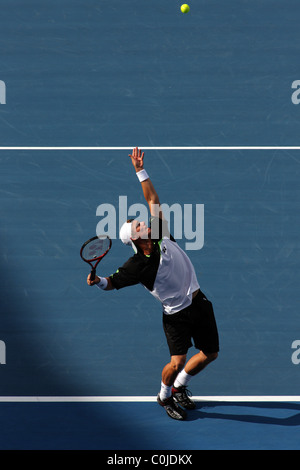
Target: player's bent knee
(178, 364)
(177, 367)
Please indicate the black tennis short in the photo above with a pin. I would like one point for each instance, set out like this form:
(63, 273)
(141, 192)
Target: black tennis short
(196, 322)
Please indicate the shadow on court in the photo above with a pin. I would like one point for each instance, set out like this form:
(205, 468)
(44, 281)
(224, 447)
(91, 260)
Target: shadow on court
(32, 369)
(235, 414)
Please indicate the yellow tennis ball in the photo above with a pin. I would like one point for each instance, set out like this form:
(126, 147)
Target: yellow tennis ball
(185, 8)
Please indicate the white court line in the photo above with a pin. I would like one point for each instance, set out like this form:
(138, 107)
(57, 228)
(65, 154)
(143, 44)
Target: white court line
(157, 148)
(134, 399)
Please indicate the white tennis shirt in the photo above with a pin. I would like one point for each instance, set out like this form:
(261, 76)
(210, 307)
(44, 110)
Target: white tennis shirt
(176, 279)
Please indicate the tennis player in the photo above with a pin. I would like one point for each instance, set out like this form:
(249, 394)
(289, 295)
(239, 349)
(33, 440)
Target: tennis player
(167, 272)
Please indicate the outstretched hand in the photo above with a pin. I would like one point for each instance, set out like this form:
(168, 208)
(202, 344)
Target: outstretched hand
(137, 159)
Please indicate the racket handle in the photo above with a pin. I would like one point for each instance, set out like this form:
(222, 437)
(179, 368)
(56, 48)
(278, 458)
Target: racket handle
(93, 274)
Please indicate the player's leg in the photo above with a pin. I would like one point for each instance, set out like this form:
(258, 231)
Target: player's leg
(199, 361)
(171, 370)
(195, 365)
(206, 339)
(165, 398)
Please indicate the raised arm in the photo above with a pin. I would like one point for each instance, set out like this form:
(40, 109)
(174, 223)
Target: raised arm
(150, 194)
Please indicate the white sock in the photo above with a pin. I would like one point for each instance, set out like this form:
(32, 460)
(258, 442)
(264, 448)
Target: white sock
(165, 391)
(182, 379)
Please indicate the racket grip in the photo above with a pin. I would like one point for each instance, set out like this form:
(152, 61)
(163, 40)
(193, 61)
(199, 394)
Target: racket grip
(93, 274)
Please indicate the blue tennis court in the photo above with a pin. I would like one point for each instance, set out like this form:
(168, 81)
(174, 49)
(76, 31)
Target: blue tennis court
(208, 96)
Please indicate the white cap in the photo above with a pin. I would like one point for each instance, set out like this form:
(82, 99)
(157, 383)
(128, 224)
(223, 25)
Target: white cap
(125, 235)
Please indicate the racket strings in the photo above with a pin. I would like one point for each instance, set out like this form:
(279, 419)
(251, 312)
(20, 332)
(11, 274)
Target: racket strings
(95, 248)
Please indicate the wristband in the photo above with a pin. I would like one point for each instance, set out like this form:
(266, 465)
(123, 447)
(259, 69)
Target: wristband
(142, 175)
(102, 284)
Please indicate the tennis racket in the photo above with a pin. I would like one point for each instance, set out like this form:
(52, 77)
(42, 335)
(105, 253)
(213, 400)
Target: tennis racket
(94, 250)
